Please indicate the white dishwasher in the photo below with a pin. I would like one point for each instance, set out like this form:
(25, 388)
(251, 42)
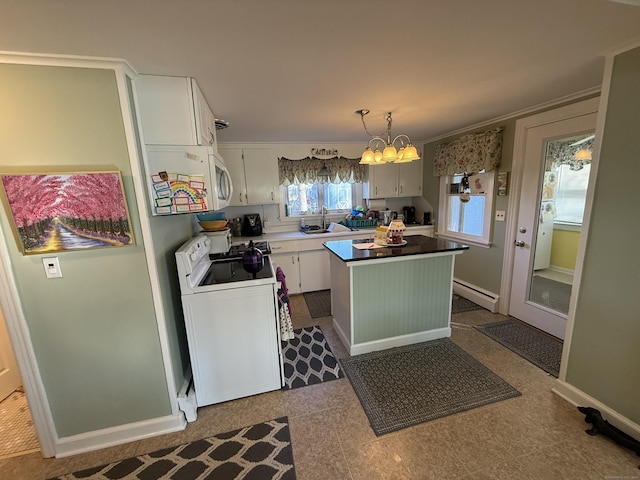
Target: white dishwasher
(231, 320)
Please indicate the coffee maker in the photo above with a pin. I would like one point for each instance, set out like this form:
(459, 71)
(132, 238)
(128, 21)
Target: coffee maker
(409, 214)
(252, 225)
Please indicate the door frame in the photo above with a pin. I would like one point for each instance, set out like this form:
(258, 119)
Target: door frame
(517, 169)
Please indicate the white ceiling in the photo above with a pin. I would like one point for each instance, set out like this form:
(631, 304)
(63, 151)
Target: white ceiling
(296, 70)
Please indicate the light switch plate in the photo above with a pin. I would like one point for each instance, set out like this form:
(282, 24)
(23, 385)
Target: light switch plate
(52, 267)
(500, 214)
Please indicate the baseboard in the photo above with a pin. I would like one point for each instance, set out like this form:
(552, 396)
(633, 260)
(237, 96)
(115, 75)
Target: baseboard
(577, 398)
(477, 295)
(399, 341)
(109, 437)
(566, 271)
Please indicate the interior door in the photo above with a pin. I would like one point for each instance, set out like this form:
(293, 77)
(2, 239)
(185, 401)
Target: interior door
(530, 291)
(9, 375)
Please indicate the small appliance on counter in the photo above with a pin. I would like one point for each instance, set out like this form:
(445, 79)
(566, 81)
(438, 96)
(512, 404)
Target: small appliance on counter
(409, 215)
(252, 225)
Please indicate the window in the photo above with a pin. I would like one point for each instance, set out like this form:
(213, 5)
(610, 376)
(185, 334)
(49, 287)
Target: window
(465, 213)
(571, 193)
(304, 198)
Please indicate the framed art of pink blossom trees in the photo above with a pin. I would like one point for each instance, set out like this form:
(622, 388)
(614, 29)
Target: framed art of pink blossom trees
(55, 212)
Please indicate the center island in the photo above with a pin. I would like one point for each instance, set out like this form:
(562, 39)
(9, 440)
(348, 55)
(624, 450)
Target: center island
(391, 296)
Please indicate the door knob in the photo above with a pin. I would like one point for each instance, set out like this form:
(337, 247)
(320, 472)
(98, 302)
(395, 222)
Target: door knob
(519, 243)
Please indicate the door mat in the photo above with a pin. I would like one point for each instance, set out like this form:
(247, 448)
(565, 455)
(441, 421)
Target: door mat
(318, 303)
(460, 304)
(405, 386)
(541, 349)
(308, 359)
(261, 451)
(551, 293)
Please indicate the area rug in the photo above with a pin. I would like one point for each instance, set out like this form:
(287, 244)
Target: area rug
(531, 344)
(551, 293)
(308, 359)
(405, 386)
(258, 452)
(318, 303)
(460, 304)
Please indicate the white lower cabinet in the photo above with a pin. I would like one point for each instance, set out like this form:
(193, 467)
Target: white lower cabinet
(315, 273)
(290, 266)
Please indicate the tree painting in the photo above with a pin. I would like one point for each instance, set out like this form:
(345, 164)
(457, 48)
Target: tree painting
(60, 212)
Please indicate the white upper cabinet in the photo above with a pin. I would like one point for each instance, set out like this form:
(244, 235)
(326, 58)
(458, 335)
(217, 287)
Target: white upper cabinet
(254, 173)
(173, 111)
(394, 180)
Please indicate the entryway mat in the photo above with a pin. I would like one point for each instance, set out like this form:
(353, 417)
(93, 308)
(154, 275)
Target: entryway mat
(460, 304)
(261, 451)
(318, 303)
(308, 360)
(539, 348)
(405, 386)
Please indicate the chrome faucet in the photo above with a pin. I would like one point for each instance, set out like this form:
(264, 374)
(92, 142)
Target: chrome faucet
(324, 212)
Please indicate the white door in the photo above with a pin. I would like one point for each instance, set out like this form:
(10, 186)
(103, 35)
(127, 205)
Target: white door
(9, 375)
(530, 290)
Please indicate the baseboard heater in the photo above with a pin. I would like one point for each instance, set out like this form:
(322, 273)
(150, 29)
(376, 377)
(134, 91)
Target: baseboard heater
(477, 295)
(187, 398)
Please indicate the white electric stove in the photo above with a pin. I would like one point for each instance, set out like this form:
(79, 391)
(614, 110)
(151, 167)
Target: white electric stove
(231, 319)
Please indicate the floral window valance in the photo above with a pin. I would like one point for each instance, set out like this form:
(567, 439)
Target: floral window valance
(469, 154)
(306, 170)
(574, 152)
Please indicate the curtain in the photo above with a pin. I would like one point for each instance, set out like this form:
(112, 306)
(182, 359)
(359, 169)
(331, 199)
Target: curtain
(470, 153)
(305, 170)
(574, 153)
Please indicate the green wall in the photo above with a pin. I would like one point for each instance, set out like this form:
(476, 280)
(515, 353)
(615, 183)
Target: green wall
(604, 359)
(94, 331)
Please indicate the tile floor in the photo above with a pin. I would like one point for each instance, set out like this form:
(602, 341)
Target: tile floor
(535, 436)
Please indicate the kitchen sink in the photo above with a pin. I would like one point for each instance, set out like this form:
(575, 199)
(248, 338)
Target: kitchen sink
(313, 232)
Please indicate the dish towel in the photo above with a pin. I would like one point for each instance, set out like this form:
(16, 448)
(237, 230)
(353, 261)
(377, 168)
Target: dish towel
(284, 306)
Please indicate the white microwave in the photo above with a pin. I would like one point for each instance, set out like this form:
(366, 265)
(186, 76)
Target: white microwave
(223, 186)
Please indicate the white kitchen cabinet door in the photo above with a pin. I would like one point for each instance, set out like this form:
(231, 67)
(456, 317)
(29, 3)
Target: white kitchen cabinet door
(314, 270)
(383, 180)
(204, 118)
(410, 179)
(289, 264)
(235, 165)
(261, 174)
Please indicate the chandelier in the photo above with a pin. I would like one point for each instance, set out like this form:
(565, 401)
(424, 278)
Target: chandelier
(389, 154)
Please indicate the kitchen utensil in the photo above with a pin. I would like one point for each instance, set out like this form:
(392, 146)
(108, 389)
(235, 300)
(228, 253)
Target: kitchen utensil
(252, 259)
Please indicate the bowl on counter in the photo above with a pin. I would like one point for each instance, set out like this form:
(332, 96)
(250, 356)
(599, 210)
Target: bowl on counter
(213, 225)
(210, 216)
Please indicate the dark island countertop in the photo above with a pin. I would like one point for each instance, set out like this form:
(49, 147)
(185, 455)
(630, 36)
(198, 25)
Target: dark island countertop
(416, 245)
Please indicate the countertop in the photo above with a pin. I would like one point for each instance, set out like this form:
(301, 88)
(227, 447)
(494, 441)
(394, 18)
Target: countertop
(416, 245)
(297, 235)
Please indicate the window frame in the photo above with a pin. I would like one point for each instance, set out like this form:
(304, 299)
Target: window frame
(484, 240)
(356, 198)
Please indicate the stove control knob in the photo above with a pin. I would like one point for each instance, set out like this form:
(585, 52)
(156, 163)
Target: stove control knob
(193, 256)
(207, 242)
